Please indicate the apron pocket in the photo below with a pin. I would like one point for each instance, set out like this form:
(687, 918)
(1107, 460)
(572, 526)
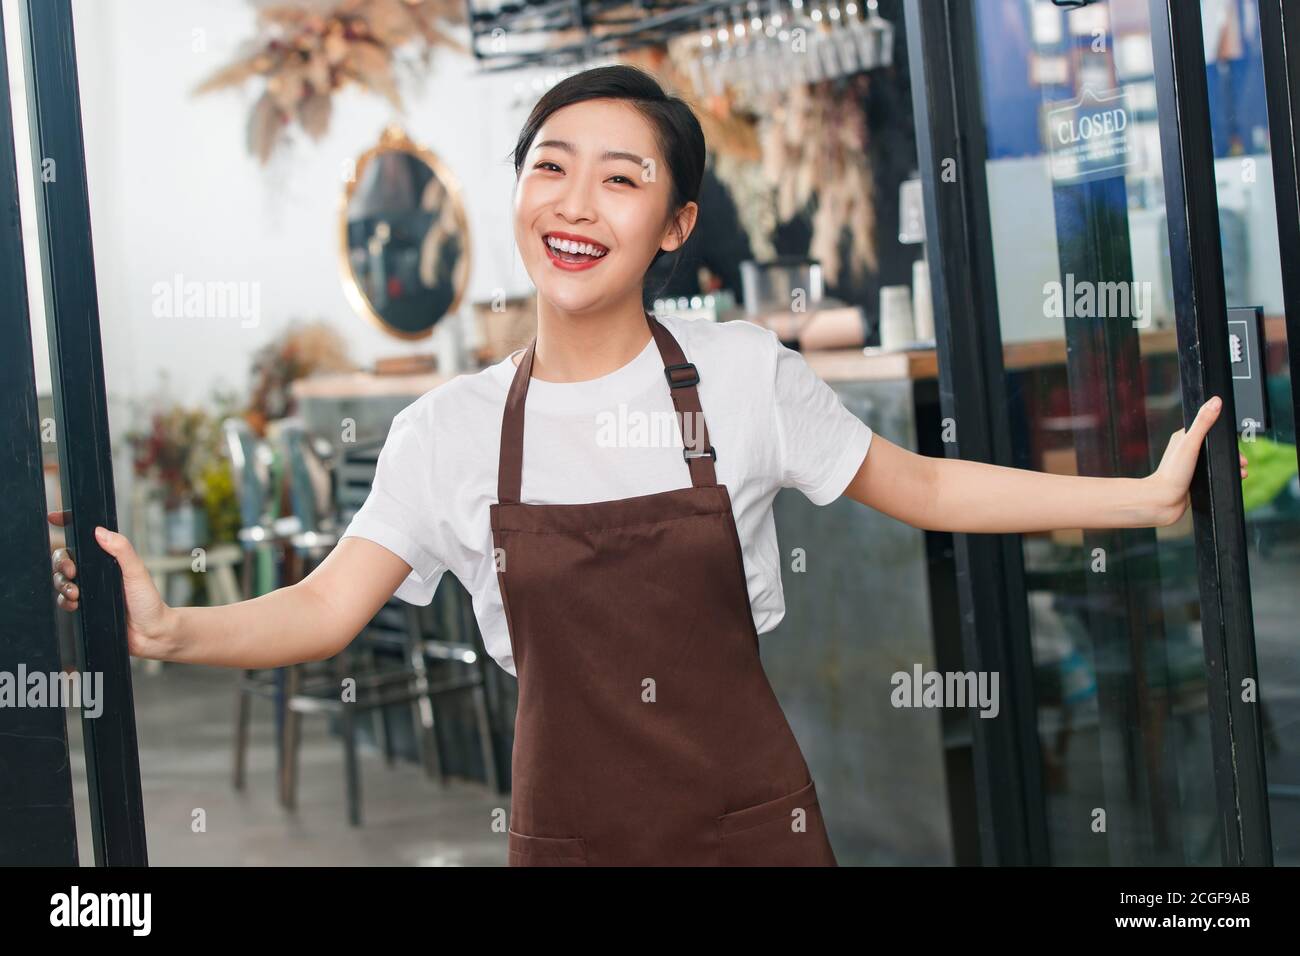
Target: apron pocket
(773, 834)
(546, 851)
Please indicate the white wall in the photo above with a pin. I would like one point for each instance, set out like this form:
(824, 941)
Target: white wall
(174, 191)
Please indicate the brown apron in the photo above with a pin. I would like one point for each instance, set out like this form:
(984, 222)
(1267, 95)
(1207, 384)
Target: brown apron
(647, 732)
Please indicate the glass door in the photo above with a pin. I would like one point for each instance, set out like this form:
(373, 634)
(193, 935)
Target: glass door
(1102, 202)
(38, 823)
(41, 828)
(1093, 386)
(1252, 81)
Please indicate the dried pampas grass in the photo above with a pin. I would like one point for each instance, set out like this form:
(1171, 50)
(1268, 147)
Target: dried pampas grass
(815, 143)
(310, 49)
(806, 141)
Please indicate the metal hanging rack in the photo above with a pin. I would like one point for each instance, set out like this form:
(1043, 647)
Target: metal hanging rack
(764, 44)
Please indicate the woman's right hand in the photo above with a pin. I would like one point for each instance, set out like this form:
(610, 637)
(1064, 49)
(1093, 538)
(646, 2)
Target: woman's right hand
(148, 617)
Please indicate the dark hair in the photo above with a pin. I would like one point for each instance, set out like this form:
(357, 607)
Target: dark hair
(677, 131)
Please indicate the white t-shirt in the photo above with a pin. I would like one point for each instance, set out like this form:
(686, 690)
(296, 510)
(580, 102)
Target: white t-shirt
(773, 422)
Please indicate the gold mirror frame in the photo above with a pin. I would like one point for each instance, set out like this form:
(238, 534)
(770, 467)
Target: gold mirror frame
(392, 139)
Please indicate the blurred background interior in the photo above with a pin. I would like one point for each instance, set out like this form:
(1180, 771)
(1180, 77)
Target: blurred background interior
(301, 224)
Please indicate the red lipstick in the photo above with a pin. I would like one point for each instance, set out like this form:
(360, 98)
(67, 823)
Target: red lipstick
(568, 261)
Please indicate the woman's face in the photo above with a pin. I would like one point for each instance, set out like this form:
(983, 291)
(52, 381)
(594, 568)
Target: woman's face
(591, 205)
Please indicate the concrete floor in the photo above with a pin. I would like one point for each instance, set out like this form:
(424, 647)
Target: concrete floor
(185, 728)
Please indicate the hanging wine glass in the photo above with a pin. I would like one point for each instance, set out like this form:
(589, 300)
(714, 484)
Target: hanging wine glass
(756, 51)
(846, 42)
(886, 29)
(803, 44)
(829, 45)
(875, 38)
(711, 43)
(699, 51)
(783, 57)
(722, 64)
(742, 59)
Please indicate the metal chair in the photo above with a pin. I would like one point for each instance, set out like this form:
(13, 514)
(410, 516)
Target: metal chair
(390, 661)
(260, 537)
(317, 687)
(416, 656)
(453, 659)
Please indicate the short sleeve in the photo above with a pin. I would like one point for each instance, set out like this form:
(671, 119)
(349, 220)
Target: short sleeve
(396, 512)
(821, 443)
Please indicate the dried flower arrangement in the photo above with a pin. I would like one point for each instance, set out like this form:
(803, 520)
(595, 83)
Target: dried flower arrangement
(305, 53)
(810, 140)
(302, 349)
(815, 141)
(182, 452)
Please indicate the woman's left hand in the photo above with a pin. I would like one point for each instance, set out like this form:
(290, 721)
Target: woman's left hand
(1170, 481)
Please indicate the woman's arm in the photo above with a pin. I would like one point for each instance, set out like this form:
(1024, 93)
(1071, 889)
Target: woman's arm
(948, 494)
(311, 620)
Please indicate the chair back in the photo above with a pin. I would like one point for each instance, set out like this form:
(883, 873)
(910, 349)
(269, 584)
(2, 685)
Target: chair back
(310, 474)
(354, 476)
(250, 460)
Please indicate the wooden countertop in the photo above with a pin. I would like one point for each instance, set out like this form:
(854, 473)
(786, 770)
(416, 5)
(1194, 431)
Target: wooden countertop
(365, 385)
(875, 365)
(832, 365)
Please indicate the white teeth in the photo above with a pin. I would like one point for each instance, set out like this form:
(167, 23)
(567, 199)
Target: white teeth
(571, 247)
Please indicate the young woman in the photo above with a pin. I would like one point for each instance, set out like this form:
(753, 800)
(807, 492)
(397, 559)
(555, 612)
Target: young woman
(625, 580)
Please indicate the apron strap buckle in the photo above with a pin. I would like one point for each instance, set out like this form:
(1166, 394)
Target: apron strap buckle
(710, 453)
(682, 383)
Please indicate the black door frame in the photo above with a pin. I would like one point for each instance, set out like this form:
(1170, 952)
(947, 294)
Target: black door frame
(38, 825)
(951, 152)
(950, 148)
(81, 414)
(1218, 516)
(1279, 26)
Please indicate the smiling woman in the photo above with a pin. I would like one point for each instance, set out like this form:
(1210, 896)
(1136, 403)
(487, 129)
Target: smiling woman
(608, 173)
(624, 582)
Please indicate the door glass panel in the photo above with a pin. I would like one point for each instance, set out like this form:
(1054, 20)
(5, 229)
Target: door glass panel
(1093, 388)
(1271, 493)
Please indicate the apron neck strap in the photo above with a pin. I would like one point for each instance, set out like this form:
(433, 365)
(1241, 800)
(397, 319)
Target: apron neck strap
(681, 378)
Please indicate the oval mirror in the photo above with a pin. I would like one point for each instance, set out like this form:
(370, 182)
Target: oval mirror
(405, 253)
